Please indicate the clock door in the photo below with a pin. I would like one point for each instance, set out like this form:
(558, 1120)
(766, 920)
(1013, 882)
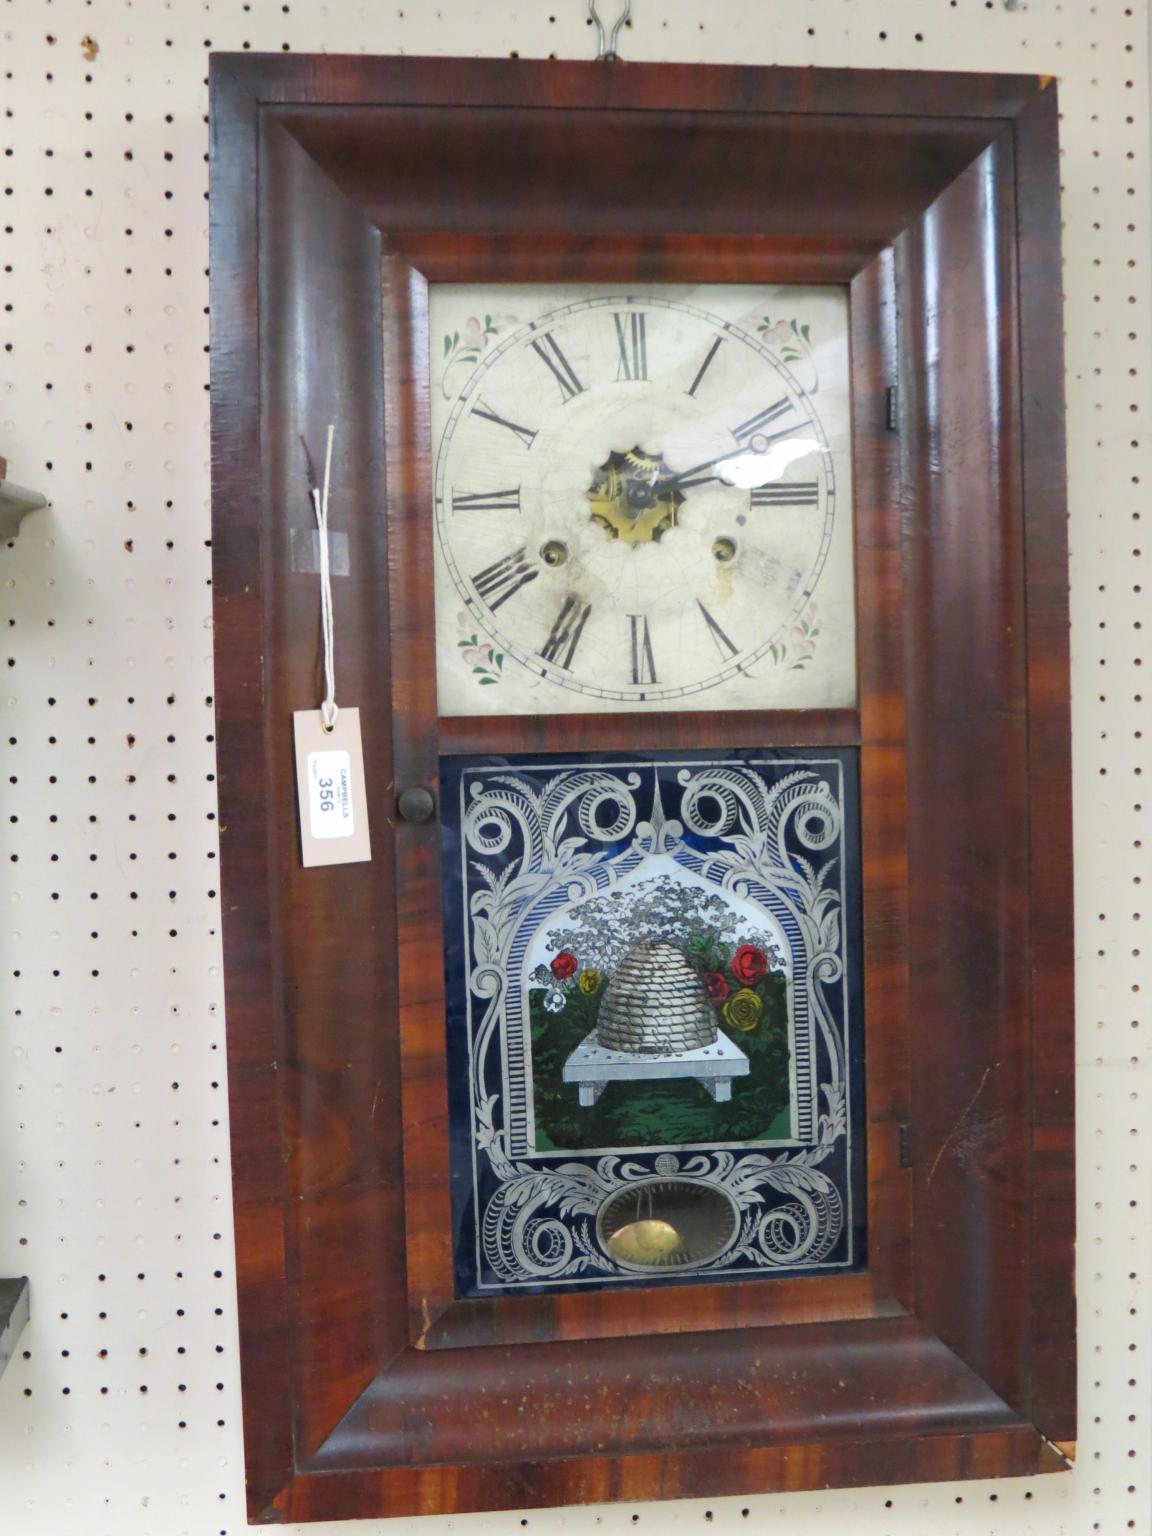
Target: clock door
(636, 506)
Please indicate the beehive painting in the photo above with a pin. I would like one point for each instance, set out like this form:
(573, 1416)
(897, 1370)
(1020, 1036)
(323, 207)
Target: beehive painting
(660, 1015)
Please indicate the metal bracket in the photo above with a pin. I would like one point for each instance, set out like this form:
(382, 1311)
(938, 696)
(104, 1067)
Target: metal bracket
(606, 42)
(13, 1317)
(16, 501)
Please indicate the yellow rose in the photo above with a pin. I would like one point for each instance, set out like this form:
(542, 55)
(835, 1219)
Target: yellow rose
(743, 1009)
(589, 981)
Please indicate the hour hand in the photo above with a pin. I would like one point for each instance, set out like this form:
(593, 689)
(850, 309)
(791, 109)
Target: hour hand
(762, 458)
(699, 474)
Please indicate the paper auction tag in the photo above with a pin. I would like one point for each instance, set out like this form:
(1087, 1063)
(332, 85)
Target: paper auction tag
(330, 789)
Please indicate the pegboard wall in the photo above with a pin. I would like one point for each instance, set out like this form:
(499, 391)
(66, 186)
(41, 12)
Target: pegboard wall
(121, 1417)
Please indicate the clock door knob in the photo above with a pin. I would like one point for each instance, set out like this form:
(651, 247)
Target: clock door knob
(416, 805)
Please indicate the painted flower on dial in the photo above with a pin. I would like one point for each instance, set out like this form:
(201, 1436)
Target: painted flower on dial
(468, 344)
(775, 334)
(542, 975)
(564, 965)
(589, 982)
(743, 1009)
(472, 333)
(486, 662)
(715, 986)
(749, 965)
(554, 1000)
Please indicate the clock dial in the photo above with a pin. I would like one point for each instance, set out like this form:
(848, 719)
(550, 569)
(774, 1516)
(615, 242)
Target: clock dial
(642, 499)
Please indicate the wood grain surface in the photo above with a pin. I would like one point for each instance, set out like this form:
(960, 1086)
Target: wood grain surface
(340, 188)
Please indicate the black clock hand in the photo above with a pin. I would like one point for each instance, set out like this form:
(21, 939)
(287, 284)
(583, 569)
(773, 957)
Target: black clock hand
(758, 443)
(687, 476)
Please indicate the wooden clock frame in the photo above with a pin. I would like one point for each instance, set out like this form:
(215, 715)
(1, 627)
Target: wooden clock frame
(340, 188)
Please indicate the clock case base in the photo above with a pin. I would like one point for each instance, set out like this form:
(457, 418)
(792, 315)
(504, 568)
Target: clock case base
(340, 188)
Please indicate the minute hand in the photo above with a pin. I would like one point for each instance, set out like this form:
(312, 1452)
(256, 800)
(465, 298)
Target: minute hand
(758, 443)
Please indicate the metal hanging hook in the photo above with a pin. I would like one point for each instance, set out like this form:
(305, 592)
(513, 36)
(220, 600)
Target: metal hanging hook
(606, 42)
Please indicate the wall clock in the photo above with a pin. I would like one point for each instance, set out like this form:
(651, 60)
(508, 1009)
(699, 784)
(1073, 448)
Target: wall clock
(683, 1090)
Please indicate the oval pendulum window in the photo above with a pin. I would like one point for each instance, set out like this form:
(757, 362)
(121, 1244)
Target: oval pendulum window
(666, 1224)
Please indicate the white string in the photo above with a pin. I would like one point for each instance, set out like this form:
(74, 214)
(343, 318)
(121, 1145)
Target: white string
(328, 710)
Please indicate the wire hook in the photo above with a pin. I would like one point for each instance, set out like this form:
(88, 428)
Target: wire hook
(606, 43)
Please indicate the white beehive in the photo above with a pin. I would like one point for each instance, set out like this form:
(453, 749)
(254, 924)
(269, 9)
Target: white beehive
(655, 1004)
(655, 1022)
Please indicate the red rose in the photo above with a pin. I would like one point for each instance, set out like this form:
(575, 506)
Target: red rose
(749, 965)
(564, 965)
(715, 986)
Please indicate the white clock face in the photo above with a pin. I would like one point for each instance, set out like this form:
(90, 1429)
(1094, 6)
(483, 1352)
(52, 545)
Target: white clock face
(642, 498)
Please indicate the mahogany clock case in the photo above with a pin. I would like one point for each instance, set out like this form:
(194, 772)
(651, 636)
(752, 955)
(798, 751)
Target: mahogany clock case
(341, 187)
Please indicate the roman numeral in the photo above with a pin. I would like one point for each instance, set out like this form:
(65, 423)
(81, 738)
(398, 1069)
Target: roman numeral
(525, 434)
(643, 661)
(751, 433)
(787, 493)
(486, 501)
(548, 351)
(564, 636)
(704, 366)
(719, 638)
(502, 580)
(633, 343)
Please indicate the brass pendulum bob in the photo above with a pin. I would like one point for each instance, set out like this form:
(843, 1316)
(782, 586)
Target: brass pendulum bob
(644, 1240)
